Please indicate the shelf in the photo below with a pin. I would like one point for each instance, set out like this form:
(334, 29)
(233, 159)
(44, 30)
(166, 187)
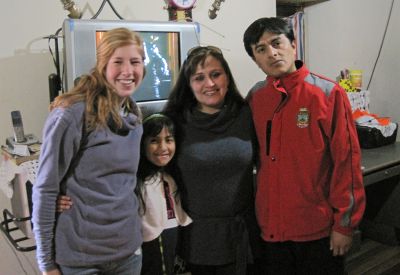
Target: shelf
(289, 7)
(299, 2)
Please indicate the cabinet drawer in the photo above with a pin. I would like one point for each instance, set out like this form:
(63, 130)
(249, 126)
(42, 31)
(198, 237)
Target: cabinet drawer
(381, 175)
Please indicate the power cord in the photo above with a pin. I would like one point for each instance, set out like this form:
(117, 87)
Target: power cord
(55, 56)
(381, 46)
(55, 79)
(112, 7)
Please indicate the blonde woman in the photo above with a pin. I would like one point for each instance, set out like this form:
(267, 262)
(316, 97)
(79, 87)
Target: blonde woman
(90, 152)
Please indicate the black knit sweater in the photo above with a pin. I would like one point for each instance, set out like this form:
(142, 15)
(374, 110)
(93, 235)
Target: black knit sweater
(215, 160)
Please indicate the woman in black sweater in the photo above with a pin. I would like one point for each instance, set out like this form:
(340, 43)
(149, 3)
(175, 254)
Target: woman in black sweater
(215, 164)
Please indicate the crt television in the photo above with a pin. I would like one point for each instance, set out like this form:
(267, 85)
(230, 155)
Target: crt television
(166, 45)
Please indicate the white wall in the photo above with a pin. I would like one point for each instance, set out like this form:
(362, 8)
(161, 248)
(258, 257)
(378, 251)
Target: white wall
(25, 61)
(348, 34)
(25, 64)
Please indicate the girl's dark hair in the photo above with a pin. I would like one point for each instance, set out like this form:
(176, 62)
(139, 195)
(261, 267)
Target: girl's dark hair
(152, 126)
(266, 24)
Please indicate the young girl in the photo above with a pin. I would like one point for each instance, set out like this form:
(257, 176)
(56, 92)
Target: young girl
(160, 206)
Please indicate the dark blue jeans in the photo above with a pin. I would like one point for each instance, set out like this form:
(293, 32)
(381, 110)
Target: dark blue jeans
(128, 266)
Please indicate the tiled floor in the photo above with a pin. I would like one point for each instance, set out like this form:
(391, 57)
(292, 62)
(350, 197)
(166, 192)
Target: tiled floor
(374, 258)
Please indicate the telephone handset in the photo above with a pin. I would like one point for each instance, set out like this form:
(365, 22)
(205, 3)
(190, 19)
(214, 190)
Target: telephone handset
(19, 135)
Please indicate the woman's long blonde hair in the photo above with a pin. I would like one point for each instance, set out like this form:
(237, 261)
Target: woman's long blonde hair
(102, 102)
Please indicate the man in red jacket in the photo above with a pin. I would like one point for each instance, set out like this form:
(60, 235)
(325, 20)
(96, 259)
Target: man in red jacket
(310, 196)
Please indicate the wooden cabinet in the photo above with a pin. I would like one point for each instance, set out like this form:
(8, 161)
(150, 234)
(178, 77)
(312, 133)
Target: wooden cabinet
(381, 221)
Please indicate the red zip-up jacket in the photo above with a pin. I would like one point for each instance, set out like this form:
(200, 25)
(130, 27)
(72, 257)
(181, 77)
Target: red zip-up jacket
(309, 180)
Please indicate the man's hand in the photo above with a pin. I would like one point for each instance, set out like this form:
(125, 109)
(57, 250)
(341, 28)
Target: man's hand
(340, 244)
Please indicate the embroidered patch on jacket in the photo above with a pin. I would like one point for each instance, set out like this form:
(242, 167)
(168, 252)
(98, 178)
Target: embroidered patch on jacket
(303, 118)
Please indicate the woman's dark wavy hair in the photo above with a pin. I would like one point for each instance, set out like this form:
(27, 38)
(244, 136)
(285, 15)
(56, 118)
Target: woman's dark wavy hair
(152, 127)
(266, 24)
(182, 98)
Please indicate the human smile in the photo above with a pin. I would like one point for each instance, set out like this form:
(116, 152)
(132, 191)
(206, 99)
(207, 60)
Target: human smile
(163, 157)
(126, 81)
(210, 93)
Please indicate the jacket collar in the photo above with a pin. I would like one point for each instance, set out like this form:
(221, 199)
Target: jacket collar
(286, 83)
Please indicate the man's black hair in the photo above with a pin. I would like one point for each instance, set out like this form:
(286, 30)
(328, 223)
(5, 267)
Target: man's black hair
(266, 24)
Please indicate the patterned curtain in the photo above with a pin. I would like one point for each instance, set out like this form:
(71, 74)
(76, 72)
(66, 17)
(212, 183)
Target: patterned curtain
(297, 21)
